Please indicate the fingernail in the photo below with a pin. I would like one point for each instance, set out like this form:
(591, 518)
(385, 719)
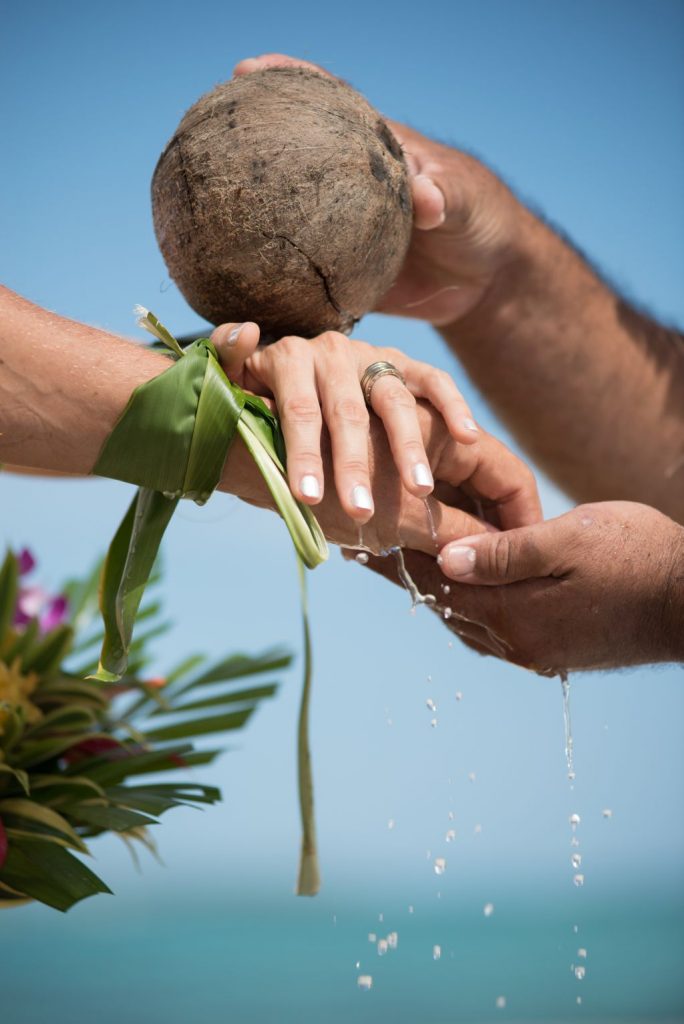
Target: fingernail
(309, 486)
(460, 560)
(422, 477)
(234, 335)
(470, 425)
(361, 498)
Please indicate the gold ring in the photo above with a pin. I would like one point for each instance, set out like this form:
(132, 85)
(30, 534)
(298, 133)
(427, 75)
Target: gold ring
(373, 373)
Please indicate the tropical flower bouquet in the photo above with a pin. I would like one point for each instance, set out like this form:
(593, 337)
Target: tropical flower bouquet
(76, 753)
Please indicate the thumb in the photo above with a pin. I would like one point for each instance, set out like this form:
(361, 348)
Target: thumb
(234, 344)
(507, 557)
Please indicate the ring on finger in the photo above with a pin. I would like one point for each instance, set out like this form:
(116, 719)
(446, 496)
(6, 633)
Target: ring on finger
(374, 372)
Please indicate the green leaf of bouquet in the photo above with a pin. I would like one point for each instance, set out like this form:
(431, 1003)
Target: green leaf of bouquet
(57, 789)
(108, 773)
(82, 594)
(201, 726)
(238, 666)
(126, 571)
(50, 874)
(66, 690)
(21, 810)
(38, 752)
(9, 590)
(185, 792)
(70, 717)
(47, 655)
(218, 410)
(253, 694)
(19, 645)
(109, 817)
(20, 776)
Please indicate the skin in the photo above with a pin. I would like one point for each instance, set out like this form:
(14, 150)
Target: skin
(524, 311)
(64, 385)
(578, 592)
(317, 381)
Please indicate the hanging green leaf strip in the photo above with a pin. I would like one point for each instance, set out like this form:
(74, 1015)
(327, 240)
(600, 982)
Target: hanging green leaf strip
(125, 574)
(218, 411)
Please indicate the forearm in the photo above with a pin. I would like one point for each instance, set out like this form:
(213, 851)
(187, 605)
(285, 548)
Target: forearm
(592, 389)
(64, 385)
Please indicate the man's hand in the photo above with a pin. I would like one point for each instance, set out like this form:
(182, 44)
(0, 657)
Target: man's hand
(467, 224)
(599, 587)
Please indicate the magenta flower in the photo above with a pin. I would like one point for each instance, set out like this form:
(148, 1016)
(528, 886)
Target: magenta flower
(36, 603)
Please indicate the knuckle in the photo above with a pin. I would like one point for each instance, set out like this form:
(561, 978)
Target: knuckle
(290, 345)
(397, 396)
(354, 465)
(501, 557)
(435, 379)
(351, 411)
(301, 408)
(332, 340)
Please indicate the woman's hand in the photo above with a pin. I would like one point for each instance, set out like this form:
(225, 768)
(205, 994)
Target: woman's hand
(318, 381)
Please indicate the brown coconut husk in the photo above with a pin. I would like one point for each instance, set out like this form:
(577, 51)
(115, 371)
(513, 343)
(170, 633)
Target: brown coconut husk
(283, 198)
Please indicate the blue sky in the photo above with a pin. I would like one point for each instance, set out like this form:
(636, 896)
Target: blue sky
(580, 106)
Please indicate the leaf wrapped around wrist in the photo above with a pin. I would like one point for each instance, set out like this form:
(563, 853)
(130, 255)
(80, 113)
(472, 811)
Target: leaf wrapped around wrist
(175, 432)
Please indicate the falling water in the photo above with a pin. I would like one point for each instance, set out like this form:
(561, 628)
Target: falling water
(569, 752)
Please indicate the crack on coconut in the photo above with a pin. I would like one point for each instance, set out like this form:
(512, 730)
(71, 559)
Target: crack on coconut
(348, 319)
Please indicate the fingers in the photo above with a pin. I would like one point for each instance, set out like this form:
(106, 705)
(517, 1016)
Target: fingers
(430, 533)
(348, 423)
(438, 388)
(395, 405)
(234, 344)
(275, 60)
(495, 558)
(292, 379)
(497, 478)
(429, 203)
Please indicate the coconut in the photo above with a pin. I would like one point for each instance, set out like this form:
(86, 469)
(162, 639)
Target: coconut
(283, 198)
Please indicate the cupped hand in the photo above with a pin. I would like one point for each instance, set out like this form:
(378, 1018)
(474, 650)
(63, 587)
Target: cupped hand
(599, 587)
(467, 223)
(318, 381)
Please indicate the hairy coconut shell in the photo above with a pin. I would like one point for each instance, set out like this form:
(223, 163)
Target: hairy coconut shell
(283, 198)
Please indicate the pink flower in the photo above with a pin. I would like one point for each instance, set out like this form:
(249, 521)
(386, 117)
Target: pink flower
(36, 603)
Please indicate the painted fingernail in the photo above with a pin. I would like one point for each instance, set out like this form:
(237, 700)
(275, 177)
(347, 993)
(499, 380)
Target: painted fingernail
(361, 499)
(309, 486)
(422, 477)
(460, 560)
(234, 335)
(470, 425)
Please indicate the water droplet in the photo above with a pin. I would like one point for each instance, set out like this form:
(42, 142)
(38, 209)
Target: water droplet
(571, 776)
(372, 937)
(362, 558)
(410, 909)
(446, 614)
(488, 909)
(580, 971)
(450, 643)
(393, 940)
(365, 982)
(450, 815)
(433, 723)
(575, 928)
(574, 841)
(357, 964)
(430, 704)
(501, 1002)
(390, 824)
(579, 1000)
(440, 865)
(607, 813)
(582, 953)
(429, 679)
(574, 820)
(477, 830)
(459, 695)
(446, 589)
(578, 880)
(451, 835)
(471, 776)
(436, 952)
(381, 918)
(576, 860)
(382, 947)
